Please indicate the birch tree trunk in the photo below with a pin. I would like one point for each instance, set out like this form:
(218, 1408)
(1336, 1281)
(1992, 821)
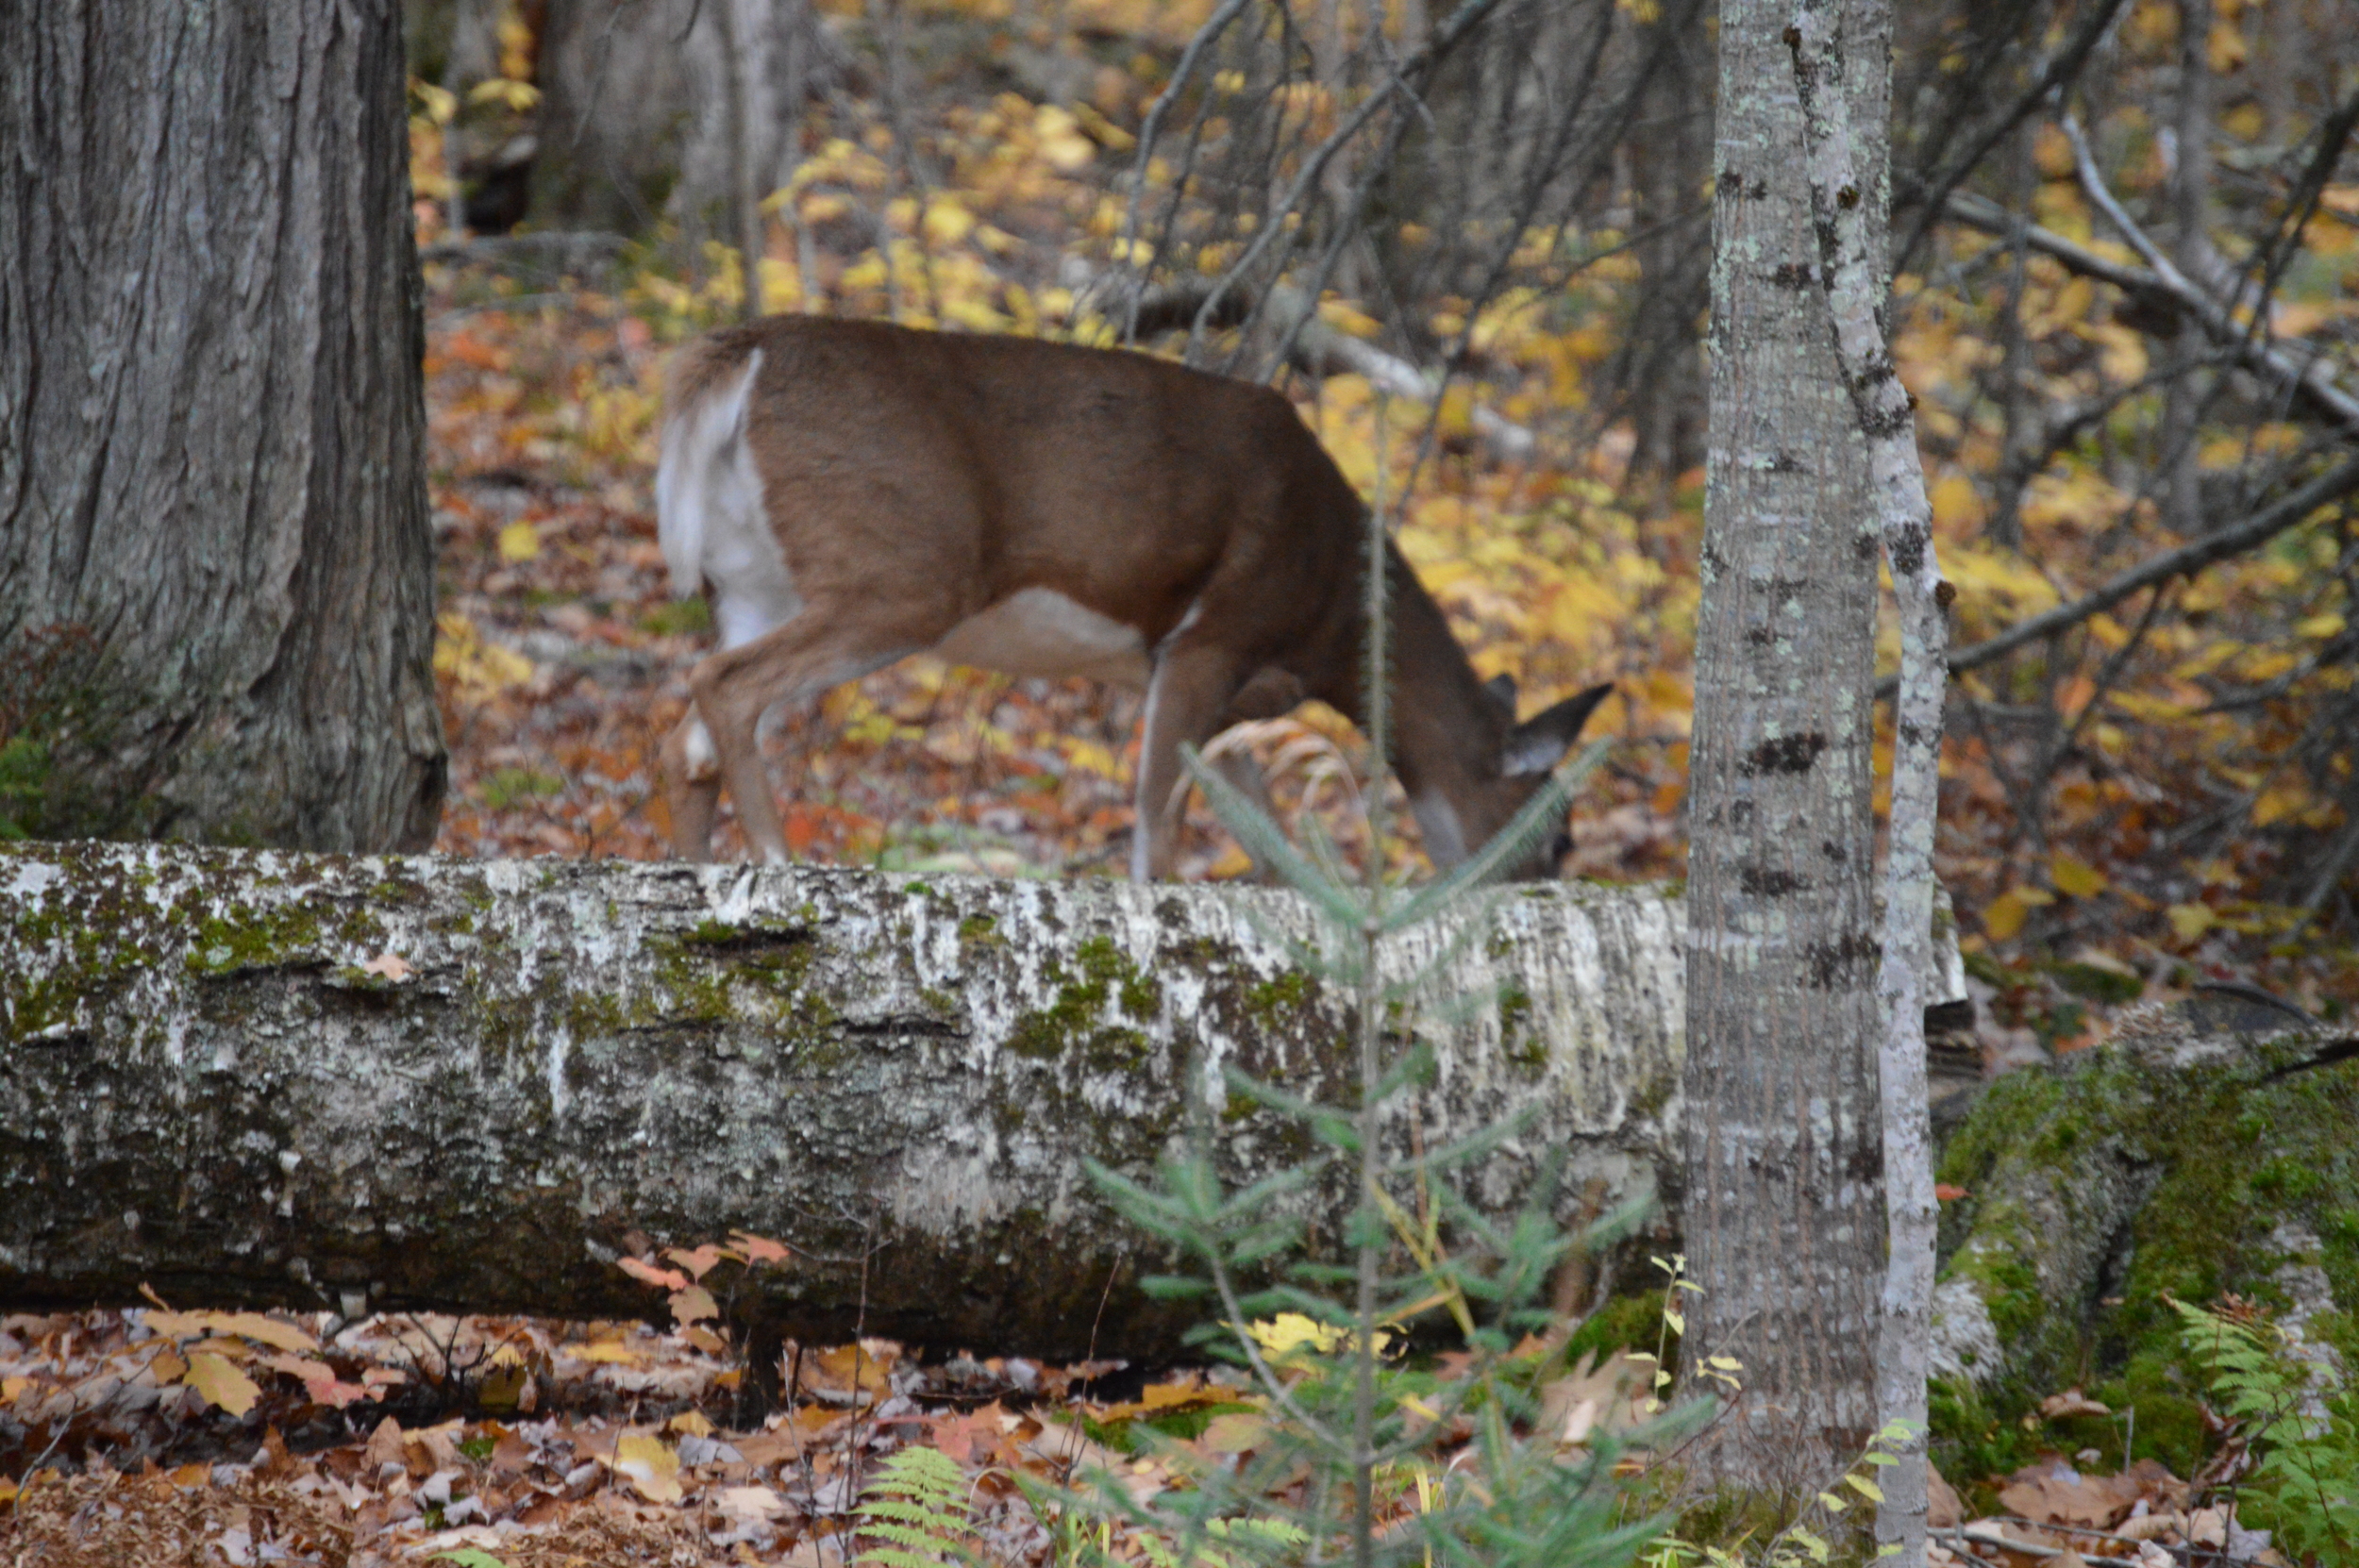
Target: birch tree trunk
(1845, 160)
(1783, 1215)
(329, 1081)
(216, 577)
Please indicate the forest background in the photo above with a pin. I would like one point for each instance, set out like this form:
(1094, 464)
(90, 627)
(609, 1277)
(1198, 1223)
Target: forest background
(2159, 790)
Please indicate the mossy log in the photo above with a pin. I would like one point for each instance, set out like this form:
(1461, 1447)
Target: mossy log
(2210, 1146)
(324, 1081)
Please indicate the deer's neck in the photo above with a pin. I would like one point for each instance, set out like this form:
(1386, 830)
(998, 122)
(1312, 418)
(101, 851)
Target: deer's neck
(1445, 734)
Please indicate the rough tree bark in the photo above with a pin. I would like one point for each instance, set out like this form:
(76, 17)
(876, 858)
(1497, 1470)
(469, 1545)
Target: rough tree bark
(1784, 1213)
(212, 486)
(203, 1085)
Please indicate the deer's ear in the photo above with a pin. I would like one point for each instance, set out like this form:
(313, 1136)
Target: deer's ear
(1541, 742)
(1502, 689)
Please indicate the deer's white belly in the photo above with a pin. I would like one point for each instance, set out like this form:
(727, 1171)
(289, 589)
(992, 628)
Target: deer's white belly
(1040, 631)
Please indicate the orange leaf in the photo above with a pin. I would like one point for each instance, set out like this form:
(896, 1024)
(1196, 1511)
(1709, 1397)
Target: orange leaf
(646, 1273)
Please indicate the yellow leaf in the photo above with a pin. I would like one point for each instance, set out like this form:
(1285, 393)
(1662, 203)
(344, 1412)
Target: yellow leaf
(1865, 1487)
(608, 1350)
(2276, 805)
(221, 1383)
(692, 1304)
(2005, 914)
(520, 542)
(650, 1465)
(2320, 628)
(692, 1422)
(2077, 878)
(2190, 921)
(1233, 862)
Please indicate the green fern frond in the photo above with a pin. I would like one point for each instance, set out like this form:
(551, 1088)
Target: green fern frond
(917, 1508)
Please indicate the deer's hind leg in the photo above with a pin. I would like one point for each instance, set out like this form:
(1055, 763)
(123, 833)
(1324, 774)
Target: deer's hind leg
(821, 648)
(689, 775)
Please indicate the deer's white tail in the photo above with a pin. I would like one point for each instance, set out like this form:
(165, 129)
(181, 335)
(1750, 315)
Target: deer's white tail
(708, 500)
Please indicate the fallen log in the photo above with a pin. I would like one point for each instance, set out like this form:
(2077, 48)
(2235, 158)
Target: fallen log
(342, 1083)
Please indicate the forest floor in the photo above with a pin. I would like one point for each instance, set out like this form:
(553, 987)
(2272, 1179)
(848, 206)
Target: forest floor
(245, 1439)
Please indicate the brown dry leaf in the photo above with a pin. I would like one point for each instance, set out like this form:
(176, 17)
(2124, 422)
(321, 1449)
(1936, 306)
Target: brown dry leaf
(392, 966)
(750, 1503)
(384, 1446)
(1942, 1507)
(2071, 1402)
(2052, 1492)
(2150, 1527)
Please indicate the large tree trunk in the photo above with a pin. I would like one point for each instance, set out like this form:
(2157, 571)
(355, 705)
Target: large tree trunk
(205, 1086)
(634, 121)
(216, 577)
(1783, 1215)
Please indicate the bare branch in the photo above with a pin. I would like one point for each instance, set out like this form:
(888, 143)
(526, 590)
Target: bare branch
(2313, 381)
(2187, 559)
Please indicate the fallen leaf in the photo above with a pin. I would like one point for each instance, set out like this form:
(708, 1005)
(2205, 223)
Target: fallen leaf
(391, 965)
(384, 1446)
(2070, 1403)
(750, 1503)
(650, 1465)
(221, 1383)
(1236, 1432)
(520, 542)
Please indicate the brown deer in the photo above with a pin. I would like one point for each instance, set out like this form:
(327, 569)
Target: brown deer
(849, 494)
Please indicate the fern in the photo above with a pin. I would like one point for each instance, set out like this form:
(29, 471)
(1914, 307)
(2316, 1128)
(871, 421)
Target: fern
(2300, 1418)
(916, 1507)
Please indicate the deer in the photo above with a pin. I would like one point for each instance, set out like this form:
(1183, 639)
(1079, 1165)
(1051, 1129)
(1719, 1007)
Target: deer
(847, 494)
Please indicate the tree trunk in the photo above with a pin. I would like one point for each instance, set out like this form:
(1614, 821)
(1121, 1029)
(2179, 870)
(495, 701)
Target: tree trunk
(2191, 247)
(1847, 184)
(1669, 167)
(635, 120)
(213, 543)
(1784, 1214)
(205, 1086)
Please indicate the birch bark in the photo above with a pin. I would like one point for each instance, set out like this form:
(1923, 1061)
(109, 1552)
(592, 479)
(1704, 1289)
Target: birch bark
(1832, 43)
